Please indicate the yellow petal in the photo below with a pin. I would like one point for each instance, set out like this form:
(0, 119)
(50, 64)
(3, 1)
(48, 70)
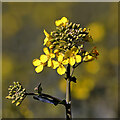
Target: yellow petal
(52, 55)
(45, 41)
(88, 58)
(43, 58)
(60, 58)
(46, 51)
(65, 62)
(39, 68)
(49, 63)
(78, 58)
(58, 22)
(36, 62)
(56, 51)
(72, 61)
(61, 70)
(64, 19)
(55, 64)
(46, 34)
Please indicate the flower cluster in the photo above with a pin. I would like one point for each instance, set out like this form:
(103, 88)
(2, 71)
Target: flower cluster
(16, 93)
(65, 46)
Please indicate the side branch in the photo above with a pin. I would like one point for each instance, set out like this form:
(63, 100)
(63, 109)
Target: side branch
(47, 98)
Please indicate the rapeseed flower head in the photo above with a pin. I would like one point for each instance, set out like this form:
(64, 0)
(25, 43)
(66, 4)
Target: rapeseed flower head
(65, 46)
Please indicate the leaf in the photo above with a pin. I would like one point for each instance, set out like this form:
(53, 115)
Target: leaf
(45, 99)
(73, 79)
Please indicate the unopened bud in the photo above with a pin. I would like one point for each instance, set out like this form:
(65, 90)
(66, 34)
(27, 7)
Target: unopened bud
(51, 46)
(73, 26)
(18, 103)
(84, 29)
(13, 101)
(56, 51)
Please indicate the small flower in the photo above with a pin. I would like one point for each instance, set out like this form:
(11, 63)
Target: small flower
(91, 56)
(39, 65)
(61, 22)
(88, 57)
(46, 40)
(73, 57)
(47, 57)
(60, 64)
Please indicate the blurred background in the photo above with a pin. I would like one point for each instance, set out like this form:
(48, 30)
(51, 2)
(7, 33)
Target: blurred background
(95, 95)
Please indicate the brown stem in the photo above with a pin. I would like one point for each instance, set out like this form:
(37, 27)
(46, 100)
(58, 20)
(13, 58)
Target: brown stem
(68, 96)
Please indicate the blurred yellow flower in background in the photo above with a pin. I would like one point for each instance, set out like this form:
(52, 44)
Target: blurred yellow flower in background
(83, 88)
(11, 25)
(92, 67)
(97, 31)
(113, 55)
(8, 66)
(61, 22)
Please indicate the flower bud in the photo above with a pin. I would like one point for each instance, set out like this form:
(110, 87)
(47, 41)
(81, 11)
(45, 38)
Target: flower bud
(18, 103)
(84, 29)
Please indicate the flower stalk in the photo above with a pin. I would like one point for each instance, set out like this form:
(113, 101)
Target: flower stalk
(68, 95)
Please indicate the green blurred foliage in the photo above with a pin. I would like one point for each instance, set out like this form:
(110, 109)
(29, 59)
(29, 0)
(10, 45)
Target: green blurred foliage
(95, 93)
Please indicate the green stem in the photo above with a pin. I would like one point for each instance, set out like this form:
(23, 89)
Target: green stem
(68, 96)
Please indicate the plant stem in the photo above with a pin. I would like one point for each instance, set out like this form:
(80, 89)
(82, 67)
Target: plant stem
(68, 96)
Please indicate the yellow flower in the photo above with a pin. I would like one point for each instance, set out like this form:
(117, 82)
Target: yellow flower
(39, 65)
(61, 22)
(60, 64)
(47, 57)
(46, 40)
(88, 58)
(73, 57)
